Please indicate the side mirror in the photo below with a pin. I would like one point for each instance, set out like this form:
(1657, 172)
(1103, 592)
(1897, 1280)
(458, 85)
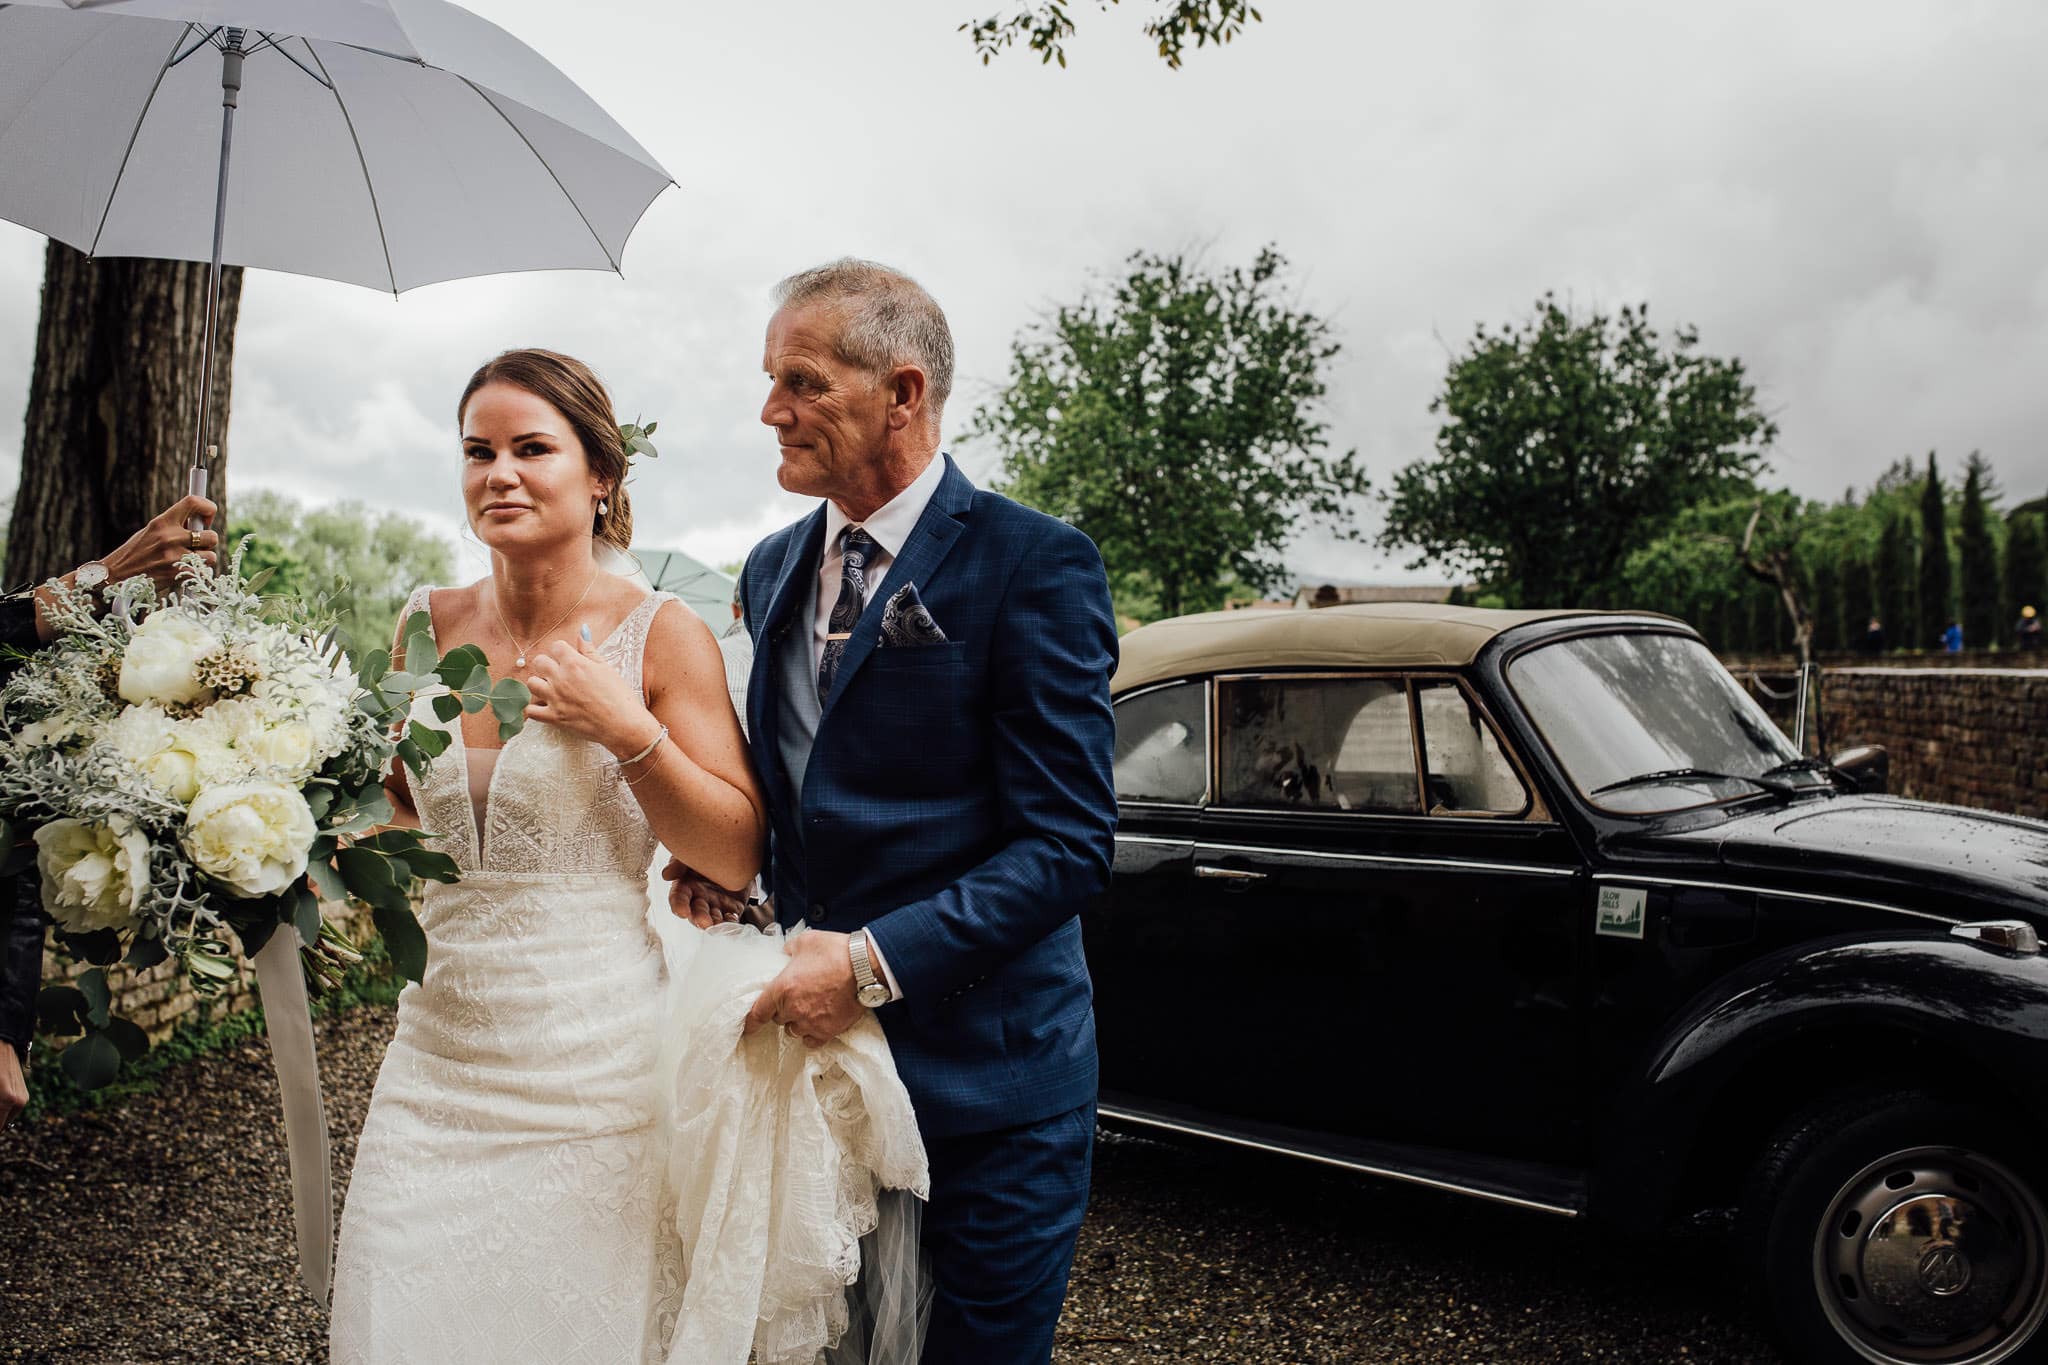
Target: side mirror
(1867, 767)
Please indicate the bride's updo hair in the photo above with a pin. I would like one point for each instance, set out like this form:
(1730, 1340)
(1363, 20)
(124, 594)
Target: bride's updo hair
(573, 389)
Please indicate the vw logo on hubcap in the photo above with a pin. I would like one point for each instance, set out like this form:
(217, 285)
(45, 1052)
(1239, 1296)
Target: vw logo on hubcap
(1944, 1269)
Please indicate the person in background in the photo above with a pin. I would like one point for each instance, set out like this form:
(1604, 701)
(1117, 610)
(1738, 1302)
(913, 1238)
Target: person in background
(1873, 637)
(1952, 638)
(155, 551)
(738, 648)
(2028, 632)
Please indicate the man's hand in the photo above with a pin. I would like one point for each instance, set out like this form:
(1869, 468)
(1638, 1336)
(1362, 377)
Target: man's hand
(814, 997)
(701, 902)
(13, 1085)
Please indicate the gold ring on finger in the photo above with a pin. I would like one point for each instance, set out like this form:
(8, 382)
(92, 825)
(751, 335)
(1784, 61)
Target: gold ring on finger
(195, 539)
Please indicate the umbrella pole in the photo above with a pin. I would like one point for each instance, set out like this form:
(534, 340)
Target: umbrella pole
(203, 451)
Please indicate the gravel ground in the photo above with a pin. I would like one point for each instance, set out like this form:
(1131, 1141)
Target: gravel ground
(159, 1232)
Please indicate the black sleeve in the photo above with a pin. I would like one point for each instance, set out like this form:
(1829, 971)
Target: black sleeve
(21, 958)
(21, 915)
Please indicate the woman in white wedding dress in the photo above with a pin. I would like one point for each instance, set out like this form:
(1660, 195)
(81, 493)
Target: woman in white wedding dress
(508, 1202)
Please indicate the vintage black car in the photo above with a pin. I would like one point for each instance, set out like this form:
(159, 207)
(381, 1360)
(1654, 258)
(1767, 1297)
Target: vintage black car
(1541, 907)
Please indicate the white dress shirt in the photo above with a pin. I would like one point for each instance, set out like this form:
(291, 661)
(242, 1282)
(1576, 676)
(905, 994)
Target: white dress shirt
(890, 528)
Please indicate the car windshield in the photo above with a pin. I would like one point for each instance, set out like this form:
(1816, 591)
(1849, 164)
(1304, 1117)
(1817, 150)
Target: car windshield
(1648, 722)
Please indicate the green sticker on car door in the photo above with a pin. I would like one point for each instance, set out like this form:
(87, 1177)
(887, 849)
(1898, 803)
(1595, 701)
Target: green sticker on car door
(1621, 912)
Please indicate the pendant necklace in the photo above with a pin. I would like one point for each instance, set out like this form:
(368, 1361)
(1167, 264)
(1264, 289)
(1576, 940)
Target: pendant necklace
(520, 662)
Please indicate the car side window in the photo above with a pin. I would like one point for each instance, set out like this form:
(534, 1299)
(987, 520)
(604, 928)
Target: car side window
(1162, 745)
(1464, 767)
(1317, 744)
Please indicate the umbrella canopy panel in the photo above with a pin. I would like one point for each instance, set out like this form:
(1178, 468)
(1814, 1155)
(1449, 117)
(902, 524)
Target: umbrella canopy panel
(463, 153)
(702, 588)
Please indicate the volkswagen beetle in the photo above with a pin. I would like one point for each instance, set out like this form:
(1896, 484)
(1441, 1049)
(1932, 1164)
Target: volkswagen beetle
(1540, 907)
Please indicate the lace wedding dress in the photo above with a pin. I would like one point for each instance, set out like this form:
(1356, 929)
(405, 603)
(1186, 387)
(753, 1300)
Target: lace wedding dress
(507, 1204)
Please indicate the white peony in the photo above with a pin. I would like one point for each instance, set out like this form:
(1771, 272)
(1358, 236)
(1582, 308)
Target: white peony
(173, 755)
(92, 874)
(161, 661)
(253, 836)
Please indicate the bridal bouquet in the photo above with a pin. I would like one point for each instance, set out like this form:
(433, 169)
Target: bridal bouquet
(186, 766)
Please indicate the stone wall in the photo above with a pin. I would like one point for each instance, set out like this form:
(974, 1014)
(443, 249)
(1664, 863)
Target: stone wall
(1970, 737)
(157, 999)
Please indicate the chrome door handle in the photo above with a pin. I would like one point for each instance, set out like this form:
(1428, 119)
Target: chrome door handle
(1227, 874)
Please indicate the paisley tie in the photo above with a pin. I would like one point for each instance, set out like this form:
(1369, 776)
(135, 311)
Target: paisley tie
(853, 599)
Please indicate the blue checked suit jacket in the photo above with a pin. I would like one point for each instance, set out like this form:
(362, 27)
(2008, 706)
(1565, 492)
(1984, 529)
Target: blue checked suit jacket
(958, 799)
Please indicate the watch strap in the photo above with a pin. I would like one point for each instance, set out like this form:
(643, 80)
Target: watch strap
(863, 962)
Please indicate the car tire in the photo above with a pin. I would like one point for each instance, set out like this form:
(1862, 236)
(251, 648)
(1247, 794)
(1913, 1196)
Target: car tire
(1893, 1227)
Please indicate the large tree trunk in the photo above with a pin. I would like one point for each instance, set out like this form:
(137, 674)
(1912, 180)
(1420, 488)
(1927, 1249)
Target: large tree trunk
(113, 407)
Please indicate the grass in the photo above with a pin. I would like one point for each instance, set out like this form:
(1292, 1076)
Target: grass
(51, 1093)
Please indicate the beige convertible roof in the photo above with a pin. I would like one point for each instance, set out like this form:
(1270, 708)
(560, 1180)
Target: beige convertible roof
(1375, 634)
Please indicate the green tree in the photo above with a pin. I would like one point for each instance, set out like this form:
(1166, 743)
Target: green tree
(2026, 563)
(1045, 25)
(1937, 571)
(1858, 605)
(365, 563)
(1983, 613)
(1894, 581)
(1565, 444)
(1175, 418)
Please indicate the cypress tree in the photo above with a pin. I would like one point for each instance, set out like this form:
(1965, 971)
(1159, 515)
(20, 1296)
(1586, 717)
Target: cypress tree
(1892, 586)
(1937, 574)
(1858, 606)
(1825, 602)
(1984, 620)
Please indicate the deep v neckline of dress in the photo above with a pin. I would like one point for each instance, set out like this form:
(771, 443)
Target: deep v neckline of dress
(478, 817)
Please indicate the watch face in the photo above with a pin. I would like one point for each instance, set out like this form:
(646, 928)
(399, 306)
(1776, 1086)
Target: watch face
(874, 996)
(91, 575)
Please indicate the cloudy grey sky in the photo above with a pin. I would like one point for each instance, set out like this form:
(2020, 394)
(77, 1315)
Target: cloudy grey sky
(1853, 197)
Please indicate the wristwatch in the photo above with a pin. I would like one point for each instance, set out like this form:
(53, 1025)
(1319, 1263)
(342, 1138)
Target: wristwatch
(90, 576)
(869, 990)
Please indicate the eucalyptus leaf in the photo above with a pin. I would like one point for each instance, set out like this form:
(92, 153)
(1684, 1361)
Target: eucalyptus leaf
(145, 953)
(458, 663)
(306, 918)
(370, 877)
(98, 999)
(419, 623)
(92, 1062)
(328, 880)
(102, 947)
(403, 939)
(428, 865)
(407, 681)
(61, 1011)
(447, 707)
(433, 743)
(319, 800)
(375, 665)
(127, 1036)
(254, 938)
(420, 654)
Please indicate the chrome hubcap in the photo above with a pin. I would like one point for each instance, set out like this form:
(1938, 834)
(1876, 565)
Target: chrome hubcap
(1934, 1256)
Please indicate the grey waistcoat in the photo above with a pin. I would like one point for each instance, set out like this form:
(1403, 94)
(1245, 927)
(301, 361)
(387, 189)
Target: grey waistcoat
(796, 726)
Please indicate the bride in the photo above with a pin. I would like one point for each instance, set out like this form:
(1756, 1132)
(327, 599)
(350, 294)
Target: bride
(509, 1200)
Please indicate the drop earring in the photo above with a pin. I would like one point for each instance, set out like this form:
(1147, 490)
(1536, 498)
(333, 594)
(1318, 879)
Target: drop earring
(603, 508)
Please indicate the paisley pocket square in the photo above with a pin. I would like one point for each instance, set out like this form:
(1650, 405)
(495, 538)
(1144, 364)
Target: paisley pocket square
(906, 621)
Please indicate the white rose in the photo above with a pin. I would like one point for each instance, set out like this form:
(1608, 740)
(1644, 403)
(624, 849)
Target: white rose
(251, 835)
(92, 874)
(160, 663)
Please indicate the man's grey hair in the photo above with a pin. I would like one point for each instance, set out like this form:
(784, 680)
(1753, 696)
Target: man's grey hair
(888, 320)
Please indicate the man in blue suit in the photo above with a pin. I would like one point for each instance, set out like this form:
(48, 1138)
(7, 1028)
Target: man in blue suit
(930, 718)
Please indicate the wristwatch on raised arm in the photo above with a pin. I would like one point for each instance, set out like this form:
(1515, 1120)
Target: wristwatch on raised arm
(868, 988)
(90, 576)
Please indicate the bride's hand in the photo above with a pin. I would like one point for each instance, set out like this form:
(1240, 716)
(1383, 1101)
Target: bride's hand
(573, 688)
